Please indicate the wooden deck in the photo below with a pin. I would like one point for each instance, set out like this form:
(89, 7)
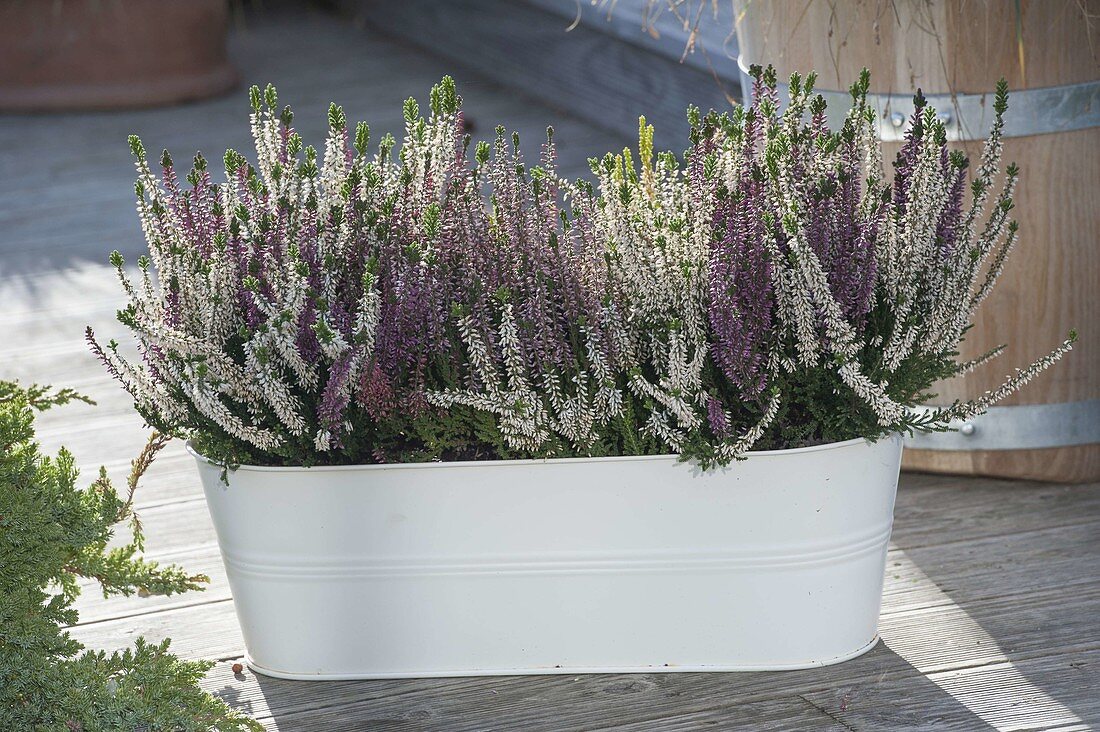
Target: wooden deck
(991, 617)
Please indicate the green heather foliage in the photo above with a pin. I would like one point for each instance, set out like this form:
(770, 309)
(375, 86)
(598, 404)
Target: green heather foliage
(52, 535)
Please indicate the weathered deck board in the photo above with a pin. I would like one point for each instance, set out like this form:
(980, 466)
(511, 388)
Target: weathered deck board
(991, 611)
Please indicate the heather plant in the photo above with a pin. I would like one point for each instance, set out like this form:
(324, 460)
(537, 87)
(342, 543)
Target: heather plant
(52, 535)
(782, 291)
(443, 300)
(354, 307)
(529, 287)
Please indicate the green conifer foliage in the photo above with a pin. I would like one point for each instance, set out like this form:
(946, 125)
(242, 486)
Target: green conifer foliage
(52, 535)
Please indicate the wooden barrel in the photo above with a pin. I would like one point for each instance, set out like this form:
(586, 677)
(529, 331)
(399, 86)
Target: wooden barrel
(1049, 51)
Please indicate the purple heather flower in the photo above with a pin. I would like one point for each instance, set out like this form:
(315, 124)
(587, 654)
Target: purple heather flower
(309, 347)
(844, 241)
(716, 418)
(334, 398)
(376, 393)
(741, 302)
(906, 159)
(947, 228)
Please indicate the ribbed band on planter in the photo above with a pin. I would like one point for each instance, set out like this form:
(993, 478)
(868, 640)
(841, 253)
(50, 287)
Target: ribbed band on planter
(1020, 427)
(1038, 111)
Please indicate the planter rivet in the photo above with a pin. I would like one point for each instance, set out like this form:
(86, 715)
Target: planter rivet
(897, 119)
(967, 429)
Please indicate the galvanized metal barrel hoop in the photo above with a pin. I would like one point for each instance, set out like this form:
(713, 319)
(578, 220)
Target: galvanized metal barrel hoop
(1039, 111)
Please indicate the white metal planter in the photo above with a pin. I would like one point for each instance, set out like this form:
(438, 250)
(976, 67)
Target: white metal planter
(558, 566)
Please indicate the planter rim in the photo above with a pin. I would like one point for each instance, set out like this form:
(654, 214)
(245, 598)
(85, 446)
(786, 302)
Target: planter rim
(516, 462)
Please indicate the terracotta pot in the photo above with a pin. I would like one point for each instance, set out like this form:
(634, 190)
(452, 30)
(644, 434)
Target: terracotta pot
(107, 54)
